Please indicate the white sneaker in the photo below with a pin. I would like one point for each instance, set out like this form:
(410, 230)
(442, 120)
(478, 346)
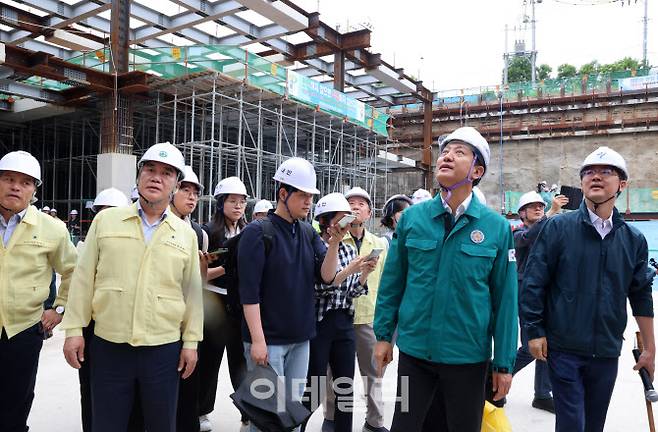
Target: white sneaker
(204, 424)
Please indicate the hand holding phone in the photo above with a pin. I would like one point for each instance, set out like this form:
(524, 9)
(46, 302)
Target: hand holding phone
(374, 254)
(217, 252)
(346, 220)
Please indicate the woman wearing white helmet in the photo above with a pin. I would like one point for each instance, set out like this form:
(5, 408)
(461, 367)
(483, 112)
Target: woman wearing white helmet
(221, 328)
(139, 278)
(335, 344)
(391, 212)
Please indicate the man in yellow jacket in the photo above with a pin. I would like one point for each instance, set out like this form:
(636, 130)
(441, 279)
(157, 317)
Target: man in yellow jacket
(32, 244)
(138, 278)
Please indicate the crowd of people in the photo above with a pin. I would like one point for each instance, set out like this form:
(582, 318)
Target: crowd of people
(151, 300)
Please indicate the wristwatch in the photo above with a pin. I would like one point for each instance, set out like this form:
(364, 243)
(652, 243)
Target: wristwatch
(60, 310)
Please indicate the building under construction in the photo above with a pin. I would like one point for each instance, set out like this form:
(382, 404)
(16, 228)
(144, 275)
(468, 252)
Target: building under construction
(238, 86)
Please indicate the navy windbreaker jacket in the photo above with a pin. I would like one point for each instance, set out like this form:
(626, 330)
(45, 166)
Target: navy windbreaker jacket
(576, 284)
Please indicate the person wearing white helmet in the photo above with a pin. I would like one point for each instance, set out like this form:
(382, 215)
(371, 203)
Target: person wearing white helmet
(391, 213)
(335, 343)
(139, 278)
(53, 213)
(421, 195)
(46, 210)
(583, 268)
(261, 208)
(73, 224)
(364, 242)
(32, 244)
(221, 329)
(450, 272)
(277, 285)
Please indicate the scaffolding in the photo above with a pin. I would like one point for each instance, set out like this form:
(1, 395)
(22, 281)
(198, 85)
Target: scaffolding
(224, 127)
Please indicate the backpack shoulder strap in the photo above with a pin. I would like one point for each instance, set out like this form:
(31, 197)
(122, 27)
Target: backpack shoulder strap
(268, 234)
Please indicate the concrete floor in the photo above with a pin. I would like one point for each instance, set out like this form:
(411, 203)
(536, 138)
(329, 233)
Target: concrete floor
(56, 405)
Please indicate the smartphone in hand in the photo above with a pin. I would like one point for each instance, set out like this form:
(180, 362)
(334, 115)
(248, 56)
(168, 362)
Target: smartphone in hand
(346, 220)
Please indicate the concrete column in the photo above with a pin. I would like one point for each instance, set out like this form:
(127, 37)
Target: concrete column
(116, 170)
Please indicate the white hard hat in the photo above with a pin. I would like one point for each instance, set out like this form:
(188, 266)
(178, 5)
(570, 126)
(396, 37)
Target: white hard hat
(189, 176)
(358, 192)
(53, 210)
(470, 136)
(110, 197)
(230, 185)
(421, 195)
(298, 173)
(334, 202)
(606, 156)
(22, 162)
(166, 154)
(529, 198)
(263, 206)
(74, 212)
(134, 193)
(479, 195)
(46, 208)
(398, 197)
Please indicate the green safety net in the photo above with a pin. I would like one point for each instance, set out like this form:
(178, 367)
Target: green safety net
(239, 64)
(633, 200)
(586, 84)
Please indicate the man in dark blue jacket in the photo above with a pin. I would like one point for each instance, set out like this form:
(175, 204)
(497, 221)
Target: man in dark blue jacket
(582, 268)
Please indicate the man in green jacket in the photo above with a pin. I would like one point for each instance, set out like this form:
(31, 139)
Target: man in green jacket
(449, 285)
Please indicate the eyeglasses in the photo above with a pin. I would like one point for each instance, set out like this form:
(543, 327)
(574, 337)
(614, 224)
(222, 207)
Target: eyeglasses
(237, 203)
(603, 172)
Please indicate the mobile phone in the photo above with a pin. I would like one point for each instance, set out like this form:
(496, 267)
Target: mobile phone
(346, 220)
(374, 254)
(575, 196)
(218, 252)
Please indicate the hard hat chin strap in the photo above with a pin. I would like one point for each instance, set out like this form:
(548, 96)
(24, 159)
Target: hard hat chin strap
(597, 204)
(459, 184)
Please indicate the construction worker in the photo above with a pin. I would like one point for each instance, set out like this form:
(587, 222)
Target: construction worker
(107, 198)
(393, 208)
(364, 242)
(335, 345)
(53, 213)
(73, 225)
(183, 205)
(223, 319)
(32, 245)
(46, 210)
(277, 289)
(420, 195)
(582, 268)
(139, 278)
(261, 208)
(449, 287)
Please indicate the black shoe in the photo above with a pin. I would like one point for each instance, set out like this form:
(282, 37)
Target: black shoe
(544, 404)
(368, 428)
(328, 426)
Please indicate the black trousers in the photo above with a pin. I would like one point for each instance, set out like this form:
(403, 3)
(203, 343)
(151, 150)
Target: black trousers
(116, 372)
(334, 345)
(187, 418)
(439, 397)
(136, 423)
(19, 357)
(221, 330)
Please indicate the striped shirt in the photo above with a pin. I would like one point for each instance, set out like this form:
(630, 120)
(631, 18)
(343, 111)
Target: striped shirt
(329, 297)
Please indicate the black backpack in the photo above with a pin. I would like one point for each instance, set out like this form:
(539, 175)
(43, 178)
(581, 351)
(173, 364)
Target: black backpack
(232, 282)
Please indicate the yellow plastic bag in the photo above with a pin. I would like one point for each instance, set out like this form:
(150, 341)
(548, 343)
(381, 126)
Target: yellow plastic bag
(494, 419)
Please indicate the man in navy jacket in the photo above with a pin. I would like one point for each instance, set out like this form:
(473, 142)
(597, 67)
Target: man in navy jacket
(582, 268)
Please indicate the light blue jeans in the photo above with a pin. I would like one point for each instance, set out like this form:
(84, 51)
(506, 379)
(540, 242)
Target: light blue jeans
(289, 361)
